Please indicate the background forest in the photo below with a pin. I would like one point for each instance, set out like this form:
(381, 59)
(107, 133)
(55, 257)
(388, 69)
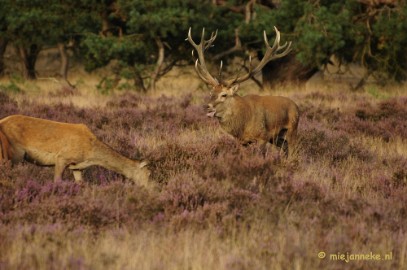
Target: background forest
(147, 38)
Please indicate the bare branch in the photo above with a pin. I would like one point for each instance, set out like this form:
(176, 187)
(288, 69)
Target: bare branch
(159, 64)
(237, 47)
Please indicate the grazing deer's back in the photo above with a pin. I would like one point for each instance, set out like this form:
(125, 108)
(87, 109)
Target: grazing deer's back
(45, 134)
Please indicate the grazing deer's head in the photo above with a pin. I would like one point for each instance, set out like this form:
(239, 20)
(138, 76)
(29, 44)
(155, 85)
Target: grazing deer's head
(223, 89)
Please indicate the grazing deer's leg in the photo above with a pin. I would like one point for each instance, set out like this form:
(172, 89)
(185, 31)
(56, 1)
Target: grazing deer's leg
(60, 166)
(18, 154)
(77, 174)
(81, 166)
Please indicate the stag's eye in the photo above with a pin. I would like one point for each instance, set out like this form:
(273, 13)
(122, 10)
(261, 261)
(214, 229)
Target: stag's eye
(224, 95)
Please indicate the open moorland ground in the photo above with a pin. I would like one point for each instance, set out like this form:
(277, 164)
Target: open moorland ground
(341, 194)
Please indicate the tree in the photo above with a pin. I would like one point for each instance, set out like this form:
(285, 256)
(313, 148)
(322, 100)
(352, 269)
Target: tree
(150, 40)
(372, 33)
(35, 24)
(145, 39)
(3, 39)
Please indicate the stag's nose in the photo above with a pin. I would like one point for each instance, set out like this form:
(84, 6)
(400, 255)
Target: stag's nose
(211, 110)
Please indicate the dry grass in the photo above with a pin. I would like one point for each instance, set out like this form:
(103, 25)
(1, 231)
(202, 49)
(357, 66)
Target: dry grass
(221, 206)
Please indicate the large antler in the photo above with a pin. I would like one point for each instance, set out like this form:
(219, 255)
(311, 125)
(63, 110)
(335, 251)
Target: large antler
(271, 54)
(200, 65)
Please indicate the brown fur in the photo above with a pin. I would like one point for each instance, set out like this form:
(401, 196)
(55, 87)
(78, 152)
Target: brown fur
(62, 145)
(5, 151)
(253, 118)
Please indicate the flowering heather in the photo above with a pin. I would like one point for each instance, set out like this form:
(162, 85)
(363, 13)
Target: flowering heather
(220, 205)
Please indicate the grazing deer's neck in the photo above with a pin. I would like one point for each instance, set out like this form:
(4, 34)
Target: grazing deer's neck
(108, 158)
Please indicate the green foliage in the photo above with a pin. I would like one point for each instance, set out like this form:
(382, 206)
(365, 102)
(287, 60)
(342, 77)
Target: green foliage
(130, 31)
(142, 25)
(388, 49)
(322, 33)
(99, 51)
(11, 87)
(43, 22)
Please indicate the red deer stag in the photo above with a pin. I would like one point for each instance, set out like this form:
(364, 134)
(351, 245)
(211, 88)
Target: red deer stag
(250, 118)
(63, 145)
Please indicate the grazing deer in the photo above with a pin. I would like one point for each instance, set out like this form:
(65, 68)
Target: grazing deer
(251, 118)
(5, 151)
(62, 145)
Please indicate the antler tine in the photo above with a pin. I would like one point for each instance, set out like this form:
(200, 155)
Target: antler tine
(201, 73)
(220, 70)
(208, 43)
(189, 38)
(270, 54)
(237, 78)
(200, 65)
(276, 46)
(250, 63)
(203, 35)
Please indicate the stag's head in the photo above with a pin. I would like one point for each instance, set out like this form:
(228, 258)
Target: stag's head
(224, 90)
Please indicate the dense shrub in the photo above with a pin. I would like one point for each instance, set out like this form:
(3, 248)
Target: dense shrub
(332, 189)
(387, 119)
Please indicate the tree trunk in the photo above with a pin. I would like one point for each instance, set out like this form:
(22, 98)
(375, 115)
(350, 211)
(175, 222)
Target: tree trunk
(139, 82)
(159, 64)
(28, 59)
(105, 25)
(64, 61)
(286, 70)
(249, 14)
(3, 46)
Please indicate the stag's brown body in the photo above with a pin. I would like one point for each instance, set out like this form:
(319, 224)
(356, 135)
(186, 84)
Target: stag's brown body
(260, 119)
(62, 145)
(251, 118)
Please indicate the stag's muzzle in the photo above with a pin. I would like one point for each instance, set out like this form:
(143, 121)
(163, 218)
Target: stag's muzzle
(211, 111)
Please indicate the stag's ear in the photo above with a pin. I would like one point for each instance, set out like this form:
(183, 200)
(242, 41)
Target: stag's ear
(234, 88)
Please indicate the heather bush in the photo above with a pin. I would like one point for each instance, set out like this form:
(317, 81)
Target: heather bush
(341, 190)
(318, 140)
(387, 119)
(8, 105)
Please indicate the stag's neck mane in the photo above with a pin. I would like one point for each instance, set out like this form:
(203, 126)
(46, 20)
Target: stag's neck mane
(235, 116)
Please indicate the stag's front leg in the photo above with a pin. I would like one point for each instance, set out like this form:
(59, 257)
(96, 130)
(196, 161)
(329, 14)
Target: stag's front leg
(290, 141)
(263, 144)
